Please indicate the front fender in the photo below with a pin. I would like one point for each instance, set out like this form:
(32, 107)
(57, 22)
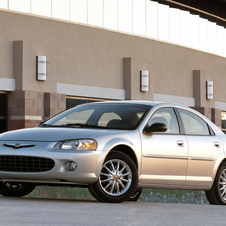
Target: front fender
(111, 144)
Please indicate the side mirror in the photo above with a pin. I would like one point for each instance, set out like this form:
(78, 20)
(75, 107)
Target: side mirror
(155, 127)
(40, 123)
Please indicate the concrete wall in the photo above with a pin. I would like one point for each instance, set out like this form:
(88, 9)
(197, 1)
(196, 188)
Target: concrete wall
(89, 58)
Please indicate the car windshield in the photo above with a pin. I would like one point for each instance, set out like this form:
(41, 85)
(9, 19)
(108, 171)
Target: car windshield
(107, 116)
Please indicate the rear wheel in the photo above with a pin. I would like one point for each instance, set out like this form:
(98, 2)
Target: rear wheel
(15, 189)
(217, 194)
(118, 179)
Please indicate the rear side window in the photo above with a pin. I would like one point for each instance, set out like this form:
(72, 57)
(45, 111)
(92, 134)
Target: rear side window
(193, 124)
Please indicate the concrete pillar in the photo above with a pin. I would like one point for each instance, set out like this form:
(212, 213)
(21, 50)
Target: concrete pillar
(205, 111)
(24, 109)
(54, 103)
(131, 69)
(199, 89)
(204, 106)
(216, 116)
(18, 54)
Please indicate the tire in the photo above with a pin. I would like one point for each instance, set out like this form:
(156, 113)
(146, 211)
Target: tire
(15, 189)
(118, 179)
(136, 195)
(217, 194)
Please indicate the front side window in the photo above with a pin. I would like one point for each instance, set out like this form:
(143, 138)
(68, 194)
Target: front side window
(193, 124)
(168, 117)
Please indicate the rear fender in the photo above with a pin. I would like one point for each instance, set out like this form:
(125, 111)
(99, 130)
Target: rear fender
(218, 162)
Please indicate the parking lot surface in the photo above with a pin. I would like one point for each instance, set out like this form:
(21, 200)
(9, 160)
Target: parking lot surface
(40, 211)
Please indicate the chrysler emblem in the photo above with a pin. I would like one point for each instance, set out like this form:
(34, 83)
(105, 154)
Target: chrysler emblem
(17, 145)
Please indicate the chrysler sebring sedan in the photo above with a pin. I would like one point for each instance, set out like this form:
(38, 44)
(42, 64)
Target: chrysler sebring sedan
(116, 149)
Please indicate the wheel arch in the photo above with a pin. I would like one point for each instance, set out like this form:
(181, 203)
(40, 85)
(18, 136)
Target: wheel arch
(220, 160)
(127, 150)
(118, 167)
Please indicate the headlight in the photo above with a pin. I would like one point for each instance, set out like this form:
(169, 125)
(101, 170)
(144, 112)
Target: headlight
(80, 145)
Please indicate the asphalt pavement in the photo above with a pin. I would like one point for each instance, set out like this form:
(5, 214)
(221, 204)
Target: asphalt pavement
(40, 211)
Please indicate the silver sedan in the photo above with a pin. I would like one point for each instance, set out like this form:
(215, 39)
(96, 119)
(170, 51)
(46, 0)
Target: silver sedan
(116, 149)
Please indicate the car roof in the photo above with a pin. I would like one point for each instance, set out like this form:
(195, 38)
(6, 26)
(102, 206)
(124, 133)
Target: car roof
(139, 102)
(142, 102)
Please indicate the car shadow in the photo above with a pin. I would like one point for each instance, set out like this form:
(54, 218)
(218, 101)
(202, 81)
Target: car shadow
(48, 199)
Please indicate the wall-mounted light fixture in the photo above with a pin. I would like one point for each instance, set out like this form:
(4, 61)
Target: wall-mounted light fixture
(41, 68)
(209, 90)
(144, 81)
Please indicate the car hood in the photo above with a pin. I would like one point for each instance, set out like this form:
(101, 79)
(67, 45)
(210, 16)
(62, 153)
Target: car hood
(52, 134)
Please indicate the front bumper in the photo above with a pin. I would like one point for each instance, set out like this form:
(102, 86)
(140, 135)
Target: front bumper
(87, 172)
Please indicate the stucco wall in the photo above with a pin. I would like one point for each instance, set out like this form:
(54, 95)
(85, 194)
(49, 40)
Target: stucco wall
(89, 56)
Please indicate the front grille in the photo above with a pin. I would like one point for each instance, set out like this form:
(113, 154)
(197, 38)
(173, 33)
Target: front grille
(25, 164)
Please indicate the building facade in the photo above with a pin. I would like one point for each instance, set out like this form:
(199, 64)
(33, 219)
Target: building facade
(96, 50)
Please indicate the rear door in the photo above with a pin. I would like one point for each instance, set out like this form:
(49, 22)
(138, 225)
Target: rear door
(204, 147)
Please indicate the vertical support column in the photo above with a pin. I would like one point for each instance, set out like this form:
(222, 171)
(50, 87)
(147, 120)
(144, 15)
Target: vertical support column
(54, 103)
(216, 116)
(132, 68)
(18, 64)
(127, 77)
(198, 88)
(205, 111)
(204, 106)
(24, 109)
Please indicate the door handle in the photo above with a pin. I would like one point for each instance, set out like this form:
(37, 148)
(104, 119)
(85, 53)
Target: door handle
(180, 143)
(217, 144)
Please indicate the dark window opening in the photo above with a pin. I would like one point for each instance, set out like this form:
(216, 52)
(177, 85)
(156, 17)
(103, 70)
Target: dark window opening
(223, 121)
(73, 102)
(3, 112)
(2, 126)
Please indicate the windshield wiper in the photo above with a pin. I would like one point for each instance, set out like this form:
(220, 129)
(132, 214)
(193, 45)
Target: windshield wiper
(45, 125)
(50, 125)
(74, 125)
(81, 125)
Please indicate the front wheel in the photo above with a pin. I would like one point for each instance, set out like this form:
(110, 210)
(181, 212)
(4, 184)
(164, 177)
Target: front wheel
(15, 189)
(217, 194)
(136, 195)
(118, 179)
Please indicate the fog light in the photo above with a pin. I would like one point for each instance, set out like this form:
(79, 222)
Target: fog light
(70, 166)
(73, 166)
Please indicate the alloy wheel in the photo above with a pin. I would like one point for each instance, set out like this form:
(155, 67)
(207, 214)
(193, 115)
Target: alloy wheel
(222, 185)
(115, 177)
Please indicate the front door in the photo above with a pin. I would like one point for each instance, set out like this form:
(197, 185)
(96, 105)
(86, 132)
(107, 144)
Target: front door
(164, 155)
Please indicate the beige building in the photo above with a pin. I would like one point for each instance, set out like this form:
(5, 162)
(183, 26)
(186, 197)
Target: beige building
(86, 62)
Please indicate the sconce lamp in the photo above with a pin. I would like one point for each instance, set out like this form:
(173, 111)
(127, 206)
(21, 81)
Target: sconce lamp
(41, 68)
(144, 81)
(209, 90)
